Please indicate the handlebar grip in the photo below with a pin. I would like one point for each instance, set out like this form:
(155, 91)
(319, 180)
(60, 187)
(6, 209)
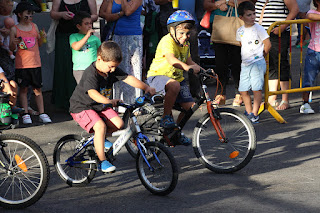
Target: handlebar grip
(107, 106)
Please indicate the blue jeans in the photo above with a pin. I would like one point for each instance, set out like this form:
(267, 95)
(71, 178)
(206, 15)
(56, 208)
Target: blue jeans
(311, 68)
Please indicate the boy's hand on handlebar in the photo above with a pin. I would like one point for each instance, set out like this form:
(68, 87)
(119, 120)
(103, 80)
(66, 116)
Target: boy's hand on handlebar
(115, 102)
(150, 90)
(196, 68)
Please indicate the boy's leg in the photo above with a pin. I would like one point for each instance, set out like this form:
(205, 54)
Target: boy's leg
(39, 99)
(247, 101)
(99, 137)
(257, 99)
(112, 120)
(172, 90)
(185, 106)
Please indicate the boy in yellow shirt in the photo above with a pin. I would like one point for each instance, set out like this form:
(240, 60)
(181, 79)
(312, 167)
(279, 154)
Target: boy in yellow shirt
(166, 71)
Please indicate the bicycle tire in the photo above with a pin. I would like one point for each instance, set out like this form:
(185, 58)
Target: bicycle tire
(225, 157)
(151, 180)
(147, 119)
(74, 175)
(26, 182)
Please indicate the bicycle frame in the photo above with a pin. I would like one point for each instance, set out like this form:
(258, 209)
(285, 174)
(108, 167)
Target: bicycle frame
(123, 137)
(214, 114)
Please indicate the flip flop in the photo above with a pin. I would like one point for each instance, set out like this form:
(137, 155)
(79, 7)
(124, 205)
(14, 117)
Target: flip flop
(237, 101)
(220, 100)
(274, 103)
(285, 104)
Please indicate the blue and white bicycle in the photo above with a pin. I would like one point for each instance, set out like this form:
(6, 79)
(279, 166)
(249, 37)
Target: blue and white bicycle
(76, 161)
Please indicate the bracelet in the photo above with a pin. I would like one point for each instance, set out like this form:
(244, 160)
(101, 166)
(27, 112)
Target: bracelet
(119, 14)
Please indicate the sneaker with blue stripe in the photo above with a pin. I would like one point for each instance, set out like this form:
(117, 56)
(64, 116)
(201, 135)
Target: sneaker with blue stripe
(254, 119)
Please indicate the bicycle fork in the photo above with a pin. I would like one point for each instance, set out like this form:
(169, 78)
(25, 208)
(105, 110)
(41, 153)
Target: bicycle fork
(215, 120)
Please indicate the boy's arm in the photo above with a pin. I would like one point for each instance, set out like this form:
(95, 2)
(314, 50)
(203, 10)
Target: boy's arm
(193, 65)
(172, 60)
(77, 45)
(267, 46)
(6, 84)
(134, 82)
(97, 97)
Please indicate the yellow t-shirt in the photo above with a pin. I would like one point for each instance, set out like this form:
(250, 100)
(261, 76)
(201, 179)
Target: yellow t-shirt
(160, 65)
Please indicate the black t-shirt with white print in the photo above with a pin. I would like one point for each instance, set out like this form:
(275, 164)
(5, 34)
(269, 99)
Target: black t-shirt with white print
(91, 79)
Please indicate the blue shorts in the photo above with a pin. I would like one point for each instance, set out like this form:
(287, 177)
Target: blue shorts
(159, 83)
(252, 76)
(311, 68)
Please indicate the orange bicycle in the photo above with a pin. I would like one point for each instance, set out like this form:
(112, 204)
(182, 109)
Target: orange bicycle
(224, 139)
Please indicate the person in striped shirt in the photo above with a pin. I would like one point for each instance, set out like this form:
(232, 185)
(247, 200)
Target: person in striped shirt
(268, 12)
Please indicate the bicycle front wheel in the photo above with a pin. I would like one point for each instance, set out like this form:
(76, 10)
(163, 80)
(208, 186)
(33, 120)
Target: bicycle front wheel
(77, 170)
(229, 156)
(26, 179)
(161, 177)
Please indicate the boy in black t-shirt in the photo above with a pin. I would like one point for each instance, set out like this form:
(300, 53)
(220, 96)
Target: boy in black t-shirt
(94, 88)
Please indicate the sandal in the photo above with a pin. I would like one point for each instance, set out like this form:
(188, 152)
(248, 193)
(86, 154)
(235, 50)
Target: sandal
(283, 105)
(275, 103)
(237, 101)
(220, 100)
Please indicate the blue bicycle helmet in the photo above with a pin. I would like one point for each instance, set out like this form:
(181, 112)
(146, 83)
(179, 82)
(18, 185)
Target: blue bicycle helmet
(179, 17)
(176, 18)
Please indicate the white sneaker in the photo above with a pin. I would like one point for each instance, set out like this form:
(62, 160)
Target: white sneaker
(306, 109)
(44, 118)
(26, 119)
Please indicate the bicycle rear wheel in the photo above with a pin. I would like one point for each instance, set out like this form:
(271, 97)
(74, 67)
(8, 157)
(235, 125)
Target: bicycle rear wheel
(72, 170)
(227, 157)
(162, 178)
(27, 177)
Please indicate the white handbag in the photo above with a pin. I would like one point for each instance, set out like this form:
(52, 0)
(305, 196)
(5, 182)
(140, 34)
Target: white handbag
(51, 36)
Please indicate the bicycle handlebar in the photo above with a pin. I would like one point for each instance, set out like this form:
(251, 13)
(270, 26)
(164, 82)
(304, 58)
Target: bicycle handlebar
(140, 101)
(207, 73)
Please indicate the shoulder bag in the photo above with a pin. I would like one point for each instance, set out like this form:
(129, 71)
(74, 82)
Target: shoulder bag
(224, 28)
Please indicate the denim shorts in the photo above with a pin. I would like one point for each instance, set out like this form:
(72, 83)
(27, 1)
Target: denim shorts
(159, 83)
(252, 76)
(311, 68)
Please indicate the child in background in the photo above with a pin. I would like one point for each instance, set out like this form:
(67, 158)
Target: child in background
(312, 60)
(166, 71)
(25, 37)
(95, 87)
(5, 40)
(255, 44)
(84, 44)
